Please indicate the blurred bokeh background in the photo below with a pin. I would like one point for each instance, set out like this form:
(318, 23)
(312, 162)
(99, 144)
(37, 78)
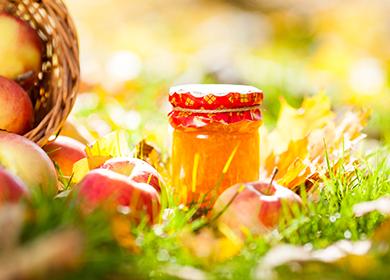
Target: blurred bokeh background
(132, 51)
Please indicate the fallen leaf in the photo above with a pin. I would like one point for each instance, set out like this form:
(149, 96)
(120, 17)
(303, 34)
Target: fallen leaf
(112, 145)
(341, 249)
(185, 272)
(80, 169)
(121, 228)
(340, 253)
(57, 250)
(11, 222)
(381, 204)
(295, 124)
(148, 153)
(76, 131)
(302, 137)
(382, 235)
(210, 247)
(293, 165)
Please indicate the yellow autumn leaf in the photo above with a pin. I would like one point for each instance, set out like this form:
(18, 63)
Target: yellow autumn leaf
(294, 124)
(112, 145)
(80, 169)
(296, 174)
(121, 230)
(293, 164)
(212, 247)
(148, 153)
(341, 133)
(358, 265)
(224, 249)
(302, 137)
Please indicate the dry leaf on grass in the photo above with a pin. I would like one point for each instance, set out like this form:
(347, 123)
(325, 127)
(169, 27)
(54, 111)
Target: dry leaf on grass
(59, 250)
(121, 229)
(11, 223)
(76, 131)
(209, 247)
(350, 255)
(302, 138)
(295, 124)
(185, 272)
(112, 145)
(381, 204)
(148, 153)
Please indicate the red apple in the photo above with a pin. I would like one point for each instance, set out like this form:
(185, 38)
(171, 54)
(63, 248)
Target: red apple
(102, 187)
(65, 152)
(21, 49)
(28, 161)
(16, 113)
(136, 169)
(257, 206)
(12, 189)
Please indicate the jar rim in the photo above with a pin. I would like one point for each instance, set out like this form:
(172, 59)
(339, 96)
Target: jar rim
(202, 90)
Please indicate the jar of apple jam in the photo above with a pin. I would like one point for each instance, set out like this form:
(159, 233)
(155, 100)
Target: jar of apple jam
(215, 139)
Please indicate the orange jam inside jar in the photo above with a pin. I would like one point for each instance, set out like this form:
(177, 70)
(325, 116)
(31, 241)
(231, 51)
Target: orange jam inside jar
(215, 138)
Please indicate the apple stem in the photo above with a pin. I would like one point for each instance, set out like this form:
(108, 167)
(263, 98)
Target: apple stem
(274, 173)
(25, 76)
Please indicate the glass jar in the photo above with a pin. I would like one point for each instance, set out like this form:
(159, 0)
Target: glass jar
(215, 139)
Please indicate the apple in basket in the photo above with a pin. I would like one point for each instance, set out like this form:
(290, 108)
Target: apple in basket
(28, 161)
(16, 109)
(21, 50)
(254, 207)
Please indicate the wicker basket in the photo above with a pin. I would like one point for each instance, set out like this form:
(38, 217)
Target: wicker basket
(55, 92)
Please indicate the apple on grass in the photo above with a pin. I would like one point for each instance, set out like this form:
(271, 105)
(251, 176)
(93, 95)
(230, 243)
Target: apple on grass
(135, 169)
(107, 189)
(255, 207)
(28, 161)
(65, 152)
(16, 114)
(21, 49)
(12, 189)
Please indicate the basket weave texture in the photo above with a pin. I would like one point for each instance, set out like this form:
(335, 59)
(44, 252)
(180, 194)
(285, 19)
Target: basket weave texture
(55, 91)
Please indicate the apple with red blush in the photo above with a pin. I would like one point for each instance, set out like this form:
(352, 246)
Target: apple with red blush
(103, 188)
(135, 169)
(65, 152)
(12, 189)
(21, 50)
(16, 114)
(26, 160)
(256, 207)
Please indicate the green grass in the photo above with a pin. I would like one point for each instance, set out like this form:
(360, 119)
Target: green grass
(319, 223)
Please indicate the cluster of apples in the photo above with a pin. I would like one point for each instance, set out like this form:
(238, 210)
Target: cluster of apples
(127, 182)
(21, 51)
